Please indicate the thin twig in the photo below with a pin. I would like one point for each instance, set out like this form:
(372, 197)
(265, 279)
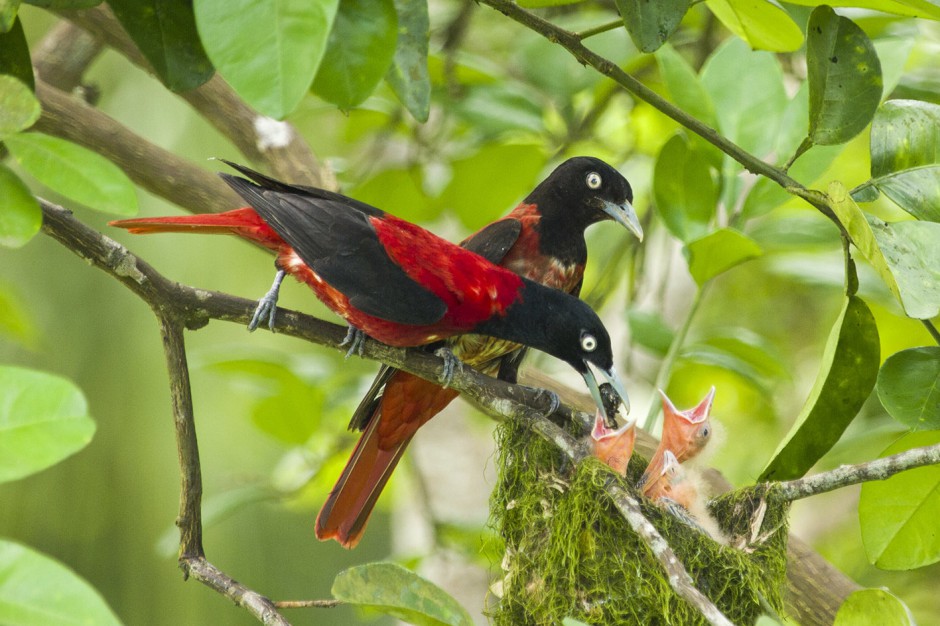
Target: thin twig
(932, 330)
(597, 30)
(879, 469)
(307, 604)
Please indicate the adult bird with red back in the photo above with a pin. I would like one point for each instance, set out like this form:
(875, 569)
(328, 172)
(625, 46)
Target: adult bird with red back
(542, 239)
(397, 282)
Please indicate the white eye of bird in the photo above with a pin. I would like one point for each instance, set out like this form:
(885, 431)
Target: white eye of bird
(593, 180)
(588, 342)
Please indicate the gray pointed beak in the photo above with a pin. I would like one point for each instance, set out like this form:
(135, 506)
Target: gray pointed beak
(610, 376)
(624, 215)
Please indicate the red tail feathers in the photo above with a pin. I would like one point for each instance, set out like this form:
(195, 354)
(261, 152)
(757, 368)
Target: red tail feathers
(242, 222)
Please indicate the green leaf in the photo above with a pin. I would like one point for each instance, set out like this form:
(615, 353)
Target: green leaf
(909, 387)
(395, 591)
(536, 4)
(910, 8)
(570, 621)
(650, 331)
(359, 52)
(684, 85)
(905, 156)
(14, 54)
(267, 50)
(64, 4)
(43, 419)
(749, 111)
(288, 409)
(165, 32)
(905, 254)
(494, 109)
(847, 373)
(718, 252)
(763, 25)
(19, 108)
(400, 193)
(408, 76)
(899, 515)
(471, 192)
(844, 75)
(8, 11)
(873, 607)
(75, 172)
(686, 195)
(35, 589)
(650, 24)
(15, 320)
(20, 215)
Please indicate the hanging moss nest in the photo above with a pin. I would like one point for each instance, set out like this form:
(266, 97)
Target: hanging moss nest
(569, 552)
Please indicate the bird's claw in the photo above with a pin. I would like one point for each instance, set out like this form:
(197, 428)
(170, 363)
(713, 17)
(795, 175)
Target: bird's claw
(452, 365)
(355, 339)
(554, 400)
(267, 305)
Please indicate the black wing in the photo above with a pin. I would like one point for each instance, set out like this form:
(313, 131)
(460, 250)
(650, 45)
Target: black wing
(494, 241)
(339, 243)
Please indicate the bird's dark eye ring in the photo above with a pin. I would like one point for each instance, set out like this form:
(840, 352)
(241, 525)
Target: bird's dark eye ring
(593, 180)
(588, 342)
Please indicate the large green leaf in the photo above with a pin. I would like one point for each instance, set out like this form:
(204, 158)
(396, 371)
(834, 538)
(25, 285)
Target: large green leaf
(19, 108)
(686, 194)
(905, 254)
(8, 11)
(909, 387)
(37, 590)
(650, 24)
(749, 111)
(684, 85)
(396, 591)
(847, 373)
(408, 76)
(718, 252)
(650, 331)
(905, 156)
(844, 75)
(911, 8)
(399, 192)
(14, 54)
(762, 24)
(359, 53)
(75, 172)
(267, 50)
(899, 515)
(165, 32)
(20, 215)
(43, 419)
(471, 192)
(873, 607)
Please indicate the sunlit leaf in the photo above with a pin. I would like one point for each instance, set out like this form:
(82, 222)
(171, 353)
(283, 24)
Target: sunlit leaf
(684, 85)
(911, 8)
(905, 254)
(650, 24)
(905, 157)
(749, 111)
(16, 323)
(399, 192)
(408, 76)
(471, 193)
(844, 75)
(43, 419)
(20, 215)
(396, 591)
(909, 387)
(35, 589)
(8, 11)
(14, 54)
(19, 108)
(762, 24)
(267, 50)
(650, 331)
(899, 515)
(847, 373)
(359, 51)
(718, 252)
(165, 32)
(570, 621)
(686, 194)
(75, 172)
(873, 607)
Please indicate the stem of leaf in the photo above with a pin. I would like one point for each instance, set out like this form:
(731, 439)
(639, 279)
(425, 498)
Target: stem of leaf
(597, 30)
(665, 370)
(932, 330)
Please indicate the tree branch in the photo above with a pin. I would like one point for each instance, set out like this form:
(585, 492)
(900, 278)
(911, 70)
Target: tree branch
(63, 55)
(276, 145)
(879, 469)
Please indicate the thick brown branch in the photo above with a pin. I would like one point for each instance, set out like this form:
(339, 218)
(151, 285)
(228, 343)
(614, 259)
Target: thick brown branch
(288, 157)
(879, 469)
(64, 54)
